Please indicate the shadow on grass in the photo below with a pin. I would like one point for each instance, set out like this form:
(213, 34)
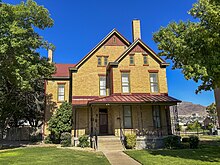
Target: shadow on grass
(6, 144)
(208, 151)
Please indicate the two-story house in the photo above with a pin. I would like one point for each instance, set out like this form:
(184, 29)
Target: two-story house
(118, 86)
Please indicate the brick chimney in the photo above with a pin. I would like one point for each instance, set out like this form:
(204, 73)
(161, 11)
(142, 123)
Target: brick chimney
(50, 55)
(136, 29)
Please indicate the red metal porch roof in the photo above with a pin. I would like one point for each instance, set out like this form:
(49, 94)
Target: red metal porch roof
(135, 98)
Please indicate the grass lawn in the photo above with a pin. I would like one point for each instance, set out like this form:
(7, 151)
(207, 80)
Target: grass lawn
(50, 155)
(208, 153)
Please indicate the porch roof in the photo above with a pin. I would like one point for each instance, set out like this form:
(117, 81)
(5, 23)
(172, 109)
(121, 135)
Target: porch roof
(135, 98)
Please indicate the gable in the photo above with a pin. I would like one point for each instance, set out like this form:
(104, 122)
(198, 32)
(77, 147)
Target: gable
(107, 41)
(139, 47)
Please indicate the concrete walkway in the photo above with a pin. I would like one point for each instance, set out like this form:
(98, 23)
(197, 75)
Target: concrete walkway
(119, 158)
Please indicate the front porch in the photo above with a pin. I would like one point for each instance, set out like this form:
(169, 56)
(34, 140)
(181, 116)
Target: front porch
(108, 119)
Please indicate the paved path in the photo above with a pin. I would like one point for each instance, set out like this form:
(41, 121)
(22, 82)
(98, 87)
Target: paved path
(119, 158)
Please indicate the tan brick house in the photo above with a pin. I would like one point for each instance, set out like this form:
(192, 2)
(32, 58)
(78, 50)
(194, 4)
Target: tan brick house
(117, 87)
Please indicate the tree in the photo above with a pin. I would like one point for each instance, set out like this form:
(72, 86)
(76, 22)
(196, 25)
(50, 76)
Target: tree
(21, 66)
(211, 110)
(194, 47)
(60, 121)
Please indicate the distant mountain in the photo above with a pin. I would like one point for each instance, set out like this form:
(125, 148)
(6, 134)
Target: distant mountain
(188, 108)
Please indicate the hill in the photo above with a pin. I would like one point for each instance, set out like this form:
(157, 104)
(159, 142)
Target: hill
(188, 108)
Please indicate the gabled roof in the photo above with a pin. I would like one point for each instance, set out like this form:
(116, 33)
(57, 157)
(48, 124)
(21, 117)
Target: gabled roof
(135, 43)
(135, 98)
(114, 31)
(62, 70)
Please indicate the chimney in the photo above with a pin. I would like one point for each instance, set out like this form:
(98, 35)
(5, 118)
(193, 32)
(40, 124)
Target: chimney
(50, 55)
(136, 29)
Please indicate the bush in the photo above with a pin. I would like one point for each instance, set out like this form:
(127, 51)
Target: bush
(48, 140)
(65, 139)
(185, 139)
(130, 141)
(172, 141)
(60, 122)
(83, 141)
(193, 142)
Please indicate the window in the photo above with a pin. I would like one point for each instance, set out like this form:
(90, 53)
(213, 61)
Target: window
(125, 82)
(145, 60)
(99, 61)
(61, 92)
(114, 40)
(127, 117)
(154, 82)
(156, 116)
(131, 60)
(105, 61)
(102, 85)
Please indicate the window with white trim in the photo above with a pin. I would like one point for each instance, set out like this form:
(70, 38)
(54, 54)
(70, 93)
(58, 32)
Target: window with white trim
(127, 116)
(125, 83)
(61, 92)
(102, 85)
(156, 116)
(154, 82)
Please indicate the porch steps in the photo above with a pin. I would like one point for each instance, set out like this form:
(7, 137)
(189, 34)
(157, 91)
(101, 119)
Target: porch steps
(109, 143)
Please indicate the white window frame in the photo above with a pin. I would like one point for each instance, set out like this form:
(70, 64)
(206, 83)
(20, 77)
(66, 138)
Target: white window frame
(154, 85)
(125, 84)
(61, 94)
(102, 85)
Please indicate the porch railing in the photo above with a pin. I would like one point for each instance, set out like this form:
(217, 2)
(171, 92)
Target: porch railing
(122, 138)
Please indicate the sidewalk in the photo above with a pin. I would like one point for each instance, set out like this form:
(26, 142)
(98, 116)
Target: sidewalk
(119, 158)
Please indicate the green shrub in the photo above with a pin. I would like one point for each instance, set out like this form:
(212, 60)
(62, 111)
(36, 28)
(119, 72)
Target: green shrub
(130, 141)
(193, 126)
(65, 139)
(185, 139)
(83, 141)
(61, 121)
(193, 142)
(172, 141)
(48, 140)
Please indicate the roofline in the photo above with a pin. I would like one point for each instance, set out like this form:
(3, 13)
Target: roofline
(99, 44)
(163, 63)
(144, 103)
(62, 78)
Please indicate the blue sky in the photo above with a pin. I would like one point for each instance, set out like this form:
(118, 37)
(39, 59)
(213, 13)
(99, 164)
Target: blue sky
(80, 25)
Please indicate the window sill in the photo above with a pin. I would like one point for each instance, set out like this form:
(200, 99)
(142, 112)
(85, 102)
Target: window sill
(132, 65)
(60, 101)
(145, 64)
(101, 66)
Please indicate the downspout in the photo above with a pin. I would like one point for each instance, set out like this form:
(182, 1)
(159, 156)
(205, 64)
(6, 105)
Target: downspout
(74, 122)
(45, 99)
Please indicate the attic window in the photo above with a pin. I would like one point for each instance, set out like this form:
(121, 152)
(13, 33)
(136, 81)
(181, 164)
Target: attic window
(131, 60)
(105, 61)
(99, 61)
(114, 40)
(145, 60)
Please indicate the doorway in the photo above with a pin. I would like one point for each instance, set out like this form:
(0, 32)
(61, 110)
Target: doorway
(103, 121)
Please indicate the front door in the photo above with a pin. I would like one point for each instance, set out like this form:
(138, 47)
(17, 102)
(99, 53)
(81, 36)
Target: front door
(103, 121)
